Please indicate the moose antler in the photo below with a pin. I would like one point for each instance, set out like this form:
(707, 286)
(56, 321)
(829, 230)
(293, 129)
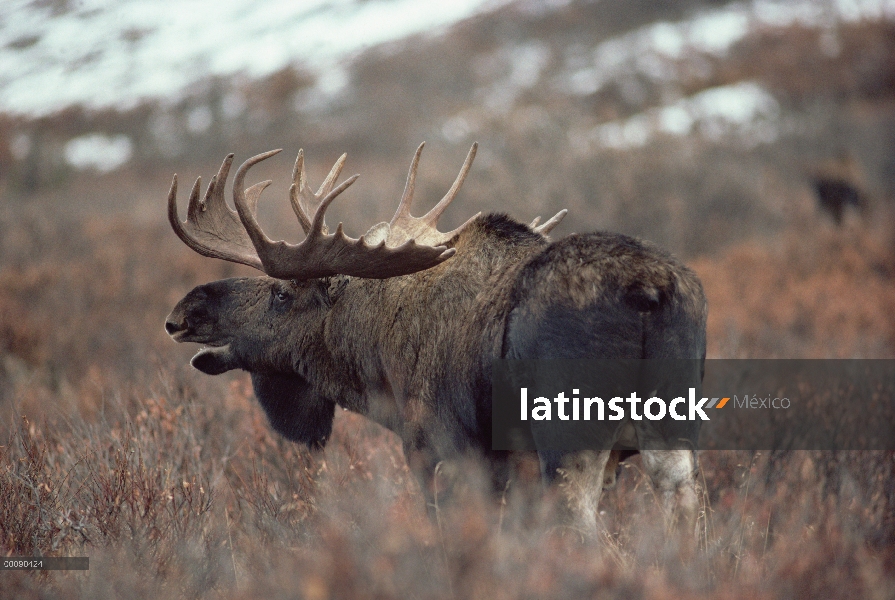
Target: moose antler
(322, 254)
(551, 224)
(211, 228)
(405, 245)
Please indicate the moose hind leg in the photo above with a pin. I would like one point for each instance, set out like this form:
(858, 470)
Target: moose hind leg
(673, 474)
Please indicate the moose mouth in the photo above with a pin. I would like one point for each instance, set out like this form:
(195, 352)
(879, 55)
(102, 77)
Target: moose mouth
(181, 336)
(213, 349)
(214, 360)
(188, 334)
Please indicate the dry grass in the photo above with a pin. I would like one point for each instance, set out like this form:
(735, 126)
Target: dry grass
(180, 499)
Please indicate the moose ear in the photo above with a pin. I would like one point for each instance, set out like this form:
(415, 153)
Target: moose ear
(214, 361)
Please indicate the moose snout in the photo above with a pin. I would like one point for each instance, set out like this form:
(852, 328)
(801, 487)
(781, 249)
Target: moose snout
(173, 326)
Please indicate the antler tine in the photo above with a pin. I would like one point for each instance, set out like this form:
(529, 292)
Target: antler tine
(318, 227)
(214, 197)
(209, 192)
(298, 171)
(193, 206)
(304, 202)
(403, 210)
(433, 215)
(551, 224)
(174, 218)
(298, 183)
(247, 200)
(327, 185)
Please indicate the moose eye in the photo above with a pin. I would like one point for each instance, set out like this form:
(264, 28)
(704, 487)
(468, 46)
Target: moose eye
(280, 296)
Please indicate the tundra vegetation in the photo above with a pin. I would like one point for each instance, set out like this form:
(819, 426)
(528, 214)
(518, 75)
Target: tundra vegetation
(176, 485)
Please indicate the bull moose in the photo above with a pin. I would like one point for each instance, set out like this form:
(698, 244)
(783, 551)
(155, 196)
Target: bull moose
(402, 324)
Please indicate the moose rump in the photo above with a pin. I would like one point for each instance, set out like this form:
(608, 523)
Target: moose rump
(614, 299)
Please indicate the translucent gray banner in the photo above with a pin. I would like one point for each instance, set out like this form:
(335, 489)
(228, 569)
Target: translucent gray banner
(712, 404)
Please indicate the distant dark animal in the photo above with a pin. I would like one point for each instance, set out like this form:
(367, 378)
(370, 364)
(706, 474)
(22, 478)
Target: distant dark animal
(402, 324)
(835, 195)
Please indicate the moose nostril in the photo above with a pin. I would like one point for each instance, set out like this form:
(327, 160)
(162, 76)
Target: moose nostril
(171, 327)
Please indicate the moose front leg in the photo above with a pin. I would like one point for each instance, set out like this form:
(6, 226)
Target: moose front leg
(435, 480)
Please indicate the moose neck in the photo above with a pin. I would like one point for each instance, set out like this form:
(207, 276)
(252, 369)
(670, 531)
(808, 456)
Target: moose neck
(364, 343)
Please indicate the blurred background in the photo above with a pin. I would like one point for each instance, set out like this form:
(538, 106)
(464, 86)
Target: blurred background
(755, 140)
(726, 132)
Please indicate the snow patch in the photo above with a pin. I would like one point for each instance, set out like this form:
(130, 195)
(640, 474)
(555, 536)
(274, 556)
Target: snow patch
(745, 109)
(97, 151)
(117, 52)
(654, 50)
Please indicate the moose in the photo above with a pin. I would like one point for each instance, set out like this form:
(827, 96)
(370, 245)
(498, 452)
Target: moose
(402, 324)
